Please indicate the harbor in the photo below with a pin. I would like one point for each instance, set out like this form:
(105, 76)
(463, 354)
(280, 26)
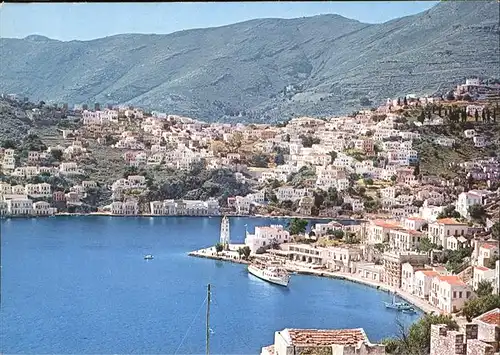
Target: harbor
(233, 257)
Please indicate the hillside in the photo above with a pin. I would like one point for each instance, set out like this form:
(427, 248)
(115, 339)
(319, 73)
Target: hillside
(328, 62)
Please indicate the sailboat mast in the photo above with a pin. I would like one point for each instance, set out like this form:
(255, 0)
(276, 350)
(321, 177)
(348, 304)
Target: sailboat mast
(208, 321)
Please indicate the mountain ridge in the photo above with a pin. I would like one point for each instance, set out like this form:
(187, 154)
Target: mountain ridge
(328, 64)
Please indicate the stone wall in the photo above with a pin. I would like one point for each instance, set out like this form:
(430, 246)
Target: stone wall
(361, 349)
(450, 342)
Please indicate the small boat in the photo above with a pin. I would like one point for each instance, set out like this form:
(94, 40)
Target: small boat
(409, 311)
(148, 257)
(272, 274)
(399, 306)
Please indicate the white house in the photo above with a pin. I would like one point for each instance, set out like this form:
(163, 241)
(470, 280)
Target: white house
(449, 293)
(482, 273)
(467, 199)
(440, 230)
(264, 237)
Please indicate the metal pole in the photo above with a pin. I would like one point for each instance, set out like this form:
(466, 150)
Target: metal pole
(208, 321)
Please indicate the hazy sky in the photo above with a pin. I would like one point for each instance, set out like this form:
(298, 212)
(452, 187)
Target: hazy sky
(84, 21)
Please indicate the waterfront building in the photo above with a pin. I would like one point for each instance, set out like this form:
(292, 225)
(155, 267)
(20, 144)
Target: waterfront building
(393, 261)
(408, 276)
(369, 271)
(42, 208)
(127, 208)
(308, 254)
(449, 293)
(20, 207)
(265, 237)
(422, 283)
(185, 207)
(3, 208)
(224, 232)
(334, 341)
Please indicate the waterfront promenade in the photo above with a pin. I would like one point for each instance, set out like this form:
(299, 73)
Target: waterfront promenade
(232, 256)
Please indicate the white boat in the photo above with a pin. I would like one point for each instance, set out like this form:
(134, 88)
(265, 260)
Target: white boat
(272, 274)
(148, 257)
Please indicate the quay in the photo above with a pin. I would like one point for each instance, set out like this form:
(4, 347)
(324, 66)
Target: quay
(232, 255)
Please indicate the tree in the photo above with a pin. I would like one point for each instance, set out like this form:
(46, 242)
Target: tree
(333, 156)
(240, 252)
(218, 248)
(449, 212)
(394, 178)
(426, 245)
(235, 140)
(477, 212)
(297, 226)
(9, 144)
(477, 306)
(495, 231)
(416, 170)
(246, 252)
(417, 340)
(259, 160)
(368, 181)
(338, 234)
(484, 288)
(56, 154)
(476, 115)
(421, 117)
(308, 141)
(279, 159)
(483, 115)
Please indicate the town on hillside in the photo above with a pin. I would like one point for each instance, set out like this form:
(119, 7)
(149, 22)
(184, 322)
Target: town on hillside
(420, 176)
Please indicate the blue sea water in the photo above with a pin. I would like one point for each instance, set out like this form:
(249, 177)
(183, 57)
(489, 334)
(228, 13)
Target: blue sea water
(80, 285)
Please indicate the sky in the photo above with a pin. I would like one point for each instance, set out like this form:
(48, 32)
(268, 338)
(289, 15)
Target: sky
(86, 21)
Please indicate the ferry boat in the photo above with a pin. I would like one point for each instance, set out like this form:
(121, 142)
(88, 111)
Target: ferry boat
(272, 274)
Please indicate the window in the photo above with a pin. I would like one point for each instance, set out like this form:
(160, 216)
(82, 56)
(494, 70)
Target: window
(454, 294)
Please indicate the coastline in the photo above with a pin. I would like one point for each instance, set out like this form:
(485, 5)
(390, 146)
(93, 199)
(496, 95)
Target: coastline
(421, 305)
(106, 214)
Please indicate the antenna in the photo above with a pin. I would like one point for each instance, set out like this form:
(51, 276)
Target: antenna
(208, 321)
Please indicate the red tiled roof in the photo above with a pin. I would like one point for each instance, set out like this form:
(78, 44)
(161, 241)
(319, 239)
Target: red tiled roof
(386, 224)
(452, 280)
(449, 221)
(489, 246)
(491, 317)
(415, 219)
(315, 337)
